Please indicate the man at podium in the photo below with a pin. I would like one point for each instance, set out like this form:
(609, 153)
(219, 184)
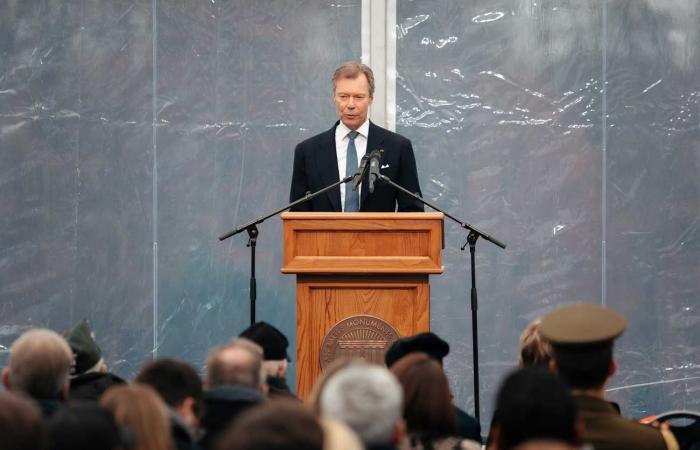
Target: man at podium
(327, 157)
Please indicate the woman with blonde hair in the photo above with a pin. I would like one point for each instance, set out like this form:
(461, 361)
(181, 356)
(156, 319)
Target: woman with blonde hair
(139, 408)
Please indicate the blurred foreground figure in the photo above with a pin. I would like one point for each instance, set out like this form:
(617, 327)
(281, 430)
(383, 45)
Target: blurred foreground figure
(180, 387)
(21, 424)
(277, 425)
(90, 377)
(139, 409)
(368, 399)
(234, 382)
(275, 357)
(435, 347)
(40, 363)
(535, 411)
(582, 338)
(427, 407)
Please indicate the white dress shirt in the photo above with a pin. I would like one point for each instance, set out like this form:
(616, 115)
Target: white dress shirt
(341, 149)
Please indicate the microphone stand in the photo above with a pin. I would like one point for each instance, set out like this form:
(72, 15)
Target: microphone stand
(474, 234)
(252, 229)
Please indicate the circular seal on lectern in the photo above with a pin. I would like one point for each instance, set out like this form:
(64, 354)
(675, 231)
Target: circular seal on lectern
(360, 336)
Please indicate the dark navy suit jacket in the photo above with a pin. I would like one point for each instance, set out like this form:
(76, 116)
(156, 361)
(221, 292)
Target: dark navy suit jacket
(316, 166)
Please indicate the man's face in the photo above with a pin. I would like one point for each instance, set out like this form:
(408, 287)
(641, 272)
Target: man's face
(352, 100)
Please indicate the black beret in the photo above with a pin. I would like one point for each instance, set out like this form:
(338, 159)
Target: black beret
(273, 342)
(427, 342)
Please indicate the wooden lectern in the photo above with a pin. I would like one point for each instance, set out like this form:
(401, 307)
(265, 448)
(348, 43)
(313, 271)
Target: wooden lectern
(375, 264)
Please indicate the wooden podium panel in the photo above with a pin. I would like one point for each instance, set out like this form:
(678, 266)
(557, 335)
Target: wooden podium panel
(362, 243)
(323, 301)
(349, 264)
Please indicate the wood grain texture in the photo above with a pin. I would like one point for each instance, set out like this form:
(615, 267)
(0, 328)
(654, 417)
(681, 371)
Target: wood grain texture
(323, 301)
(358, 263)
(361, 243)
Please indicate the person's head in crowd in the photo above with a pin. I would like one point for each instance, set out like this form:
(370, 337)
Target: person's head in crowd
(274, 344)
(534, 409)
(139, 409)
(427, 405)
(178, 384)
(314, 398)
(239, 362)
(85, 426)
(338, 436)
(87, 354)
(582, 338)
(40, 363)
(277, 425)
(429, 343)
(534, 349)
(353, 92)
(367, 398)
(22, 426)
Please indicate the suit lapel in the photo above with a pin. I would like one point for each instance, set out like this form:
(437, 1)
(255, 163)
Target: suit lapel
(375, 139)
(328, 166)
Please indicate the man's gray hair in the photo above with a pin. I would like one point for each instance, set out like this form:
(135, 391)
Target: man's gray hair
(368, 398)
(40, 363)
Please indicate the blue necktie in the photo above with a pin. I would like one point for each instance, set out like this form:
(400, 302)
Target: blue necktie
(352, 198)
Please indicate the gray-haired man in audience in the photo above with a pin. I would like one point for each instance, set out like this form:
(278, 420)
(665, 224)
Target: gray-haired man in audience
(40, 363)
(367, 398)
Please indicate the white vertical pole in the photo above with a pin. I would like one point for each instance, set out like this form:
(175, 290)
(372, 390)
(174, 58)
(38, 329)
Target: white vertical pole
(379, 52)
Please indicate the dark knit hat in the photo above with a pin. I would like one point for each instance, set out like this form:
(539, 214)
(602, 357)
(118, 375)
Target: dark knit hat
(85, 350)
(427, 342)
(273, 342)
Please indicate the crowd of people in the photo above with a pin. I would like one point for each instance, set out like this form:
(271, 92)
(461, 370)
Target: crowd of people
(60, 395)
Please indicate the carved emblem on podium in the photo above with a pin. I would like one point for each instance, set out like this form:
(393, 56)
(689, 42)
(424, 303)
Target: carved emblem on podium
(360, 336)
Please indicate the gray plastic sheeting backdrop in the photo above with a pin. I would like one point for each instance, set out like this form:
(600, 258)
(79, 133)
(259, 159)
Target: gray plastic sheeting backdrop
(134, 133)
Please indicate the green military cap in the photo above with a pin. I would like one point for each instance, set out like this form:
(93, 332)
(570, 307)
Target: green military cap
(582, 325)
(85, 350)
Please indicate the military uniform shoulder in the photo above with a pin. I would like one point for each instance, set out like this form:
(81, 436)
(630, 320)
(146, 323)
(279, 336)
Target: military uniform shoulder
(607, 430)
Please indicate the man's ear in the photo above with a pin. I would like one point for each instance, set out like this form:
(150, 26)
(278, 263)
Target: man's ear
(553, 367)
(186, 411)
(6, 378)
(613, 368)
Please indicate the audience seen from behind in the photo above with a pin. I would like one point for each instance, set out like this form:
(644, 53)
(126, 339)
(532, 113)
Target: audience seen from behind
(275, 357)
(22, 426)
(431, 421)
(180, 387)
(582, 338)
(90, 377)
(39, 367)
(234, 382)
(368, 399)
(139, 409)
(282, 424)
(534, 349)
(556, 401)
(85, 425)
(534, 411)
(435, 347)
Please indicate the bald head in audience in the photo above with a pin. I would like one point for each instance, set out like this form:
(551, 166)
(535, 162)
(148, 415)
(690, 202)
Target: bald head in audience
(238, 362)
(40, 363)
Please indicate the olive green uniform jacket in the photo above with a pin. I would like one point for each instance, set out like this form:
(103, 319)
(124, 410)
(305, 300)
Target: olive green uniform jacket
(606, 429)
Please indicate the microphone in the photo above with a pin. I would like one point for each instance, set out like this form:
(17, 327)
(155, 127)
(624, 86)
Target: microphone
(374, 159)
(357, 178)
